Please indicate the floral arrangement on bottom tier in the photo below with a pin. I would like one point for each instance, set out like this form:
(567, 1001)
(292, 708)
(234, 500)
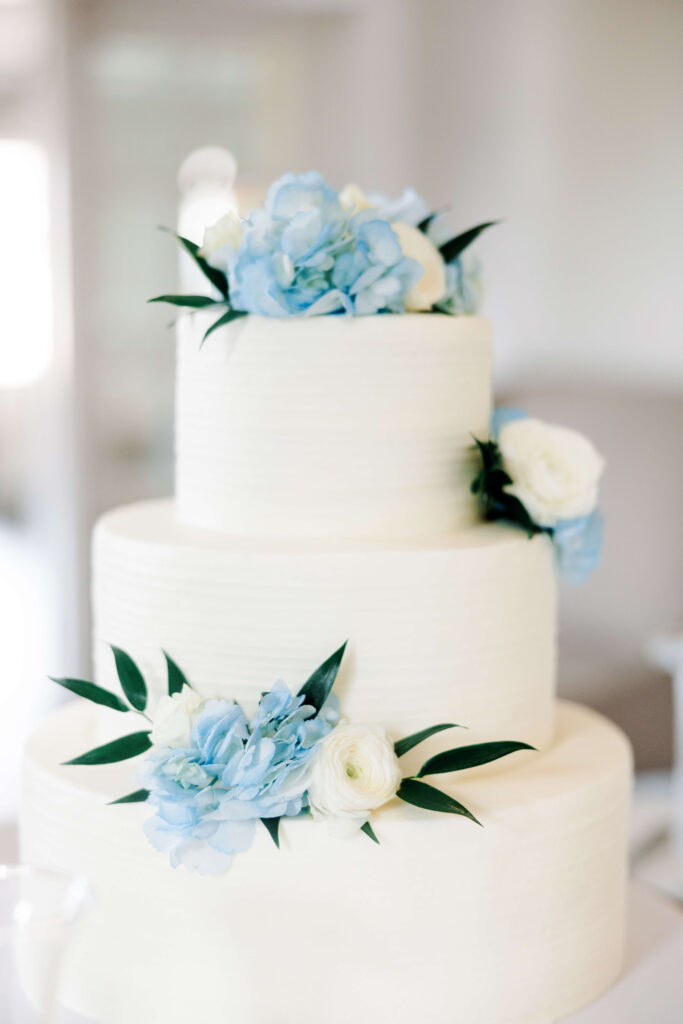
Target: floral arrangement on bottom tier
(544, 479)
(212, 774)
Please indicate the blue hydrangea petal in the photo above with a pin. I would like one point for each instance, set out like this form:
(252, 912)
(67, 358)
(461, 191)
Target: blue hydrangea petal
(578, 546)
(505, 414)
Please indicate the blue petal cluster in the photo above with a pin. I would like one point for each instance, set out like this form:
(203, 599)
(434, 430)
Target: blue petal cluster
(578, 543)
(304, 254)
(208, 797)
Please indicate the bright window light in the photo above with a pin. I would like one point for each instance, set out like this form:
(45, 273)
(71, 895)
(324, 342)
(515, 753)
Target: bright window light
(26, 329)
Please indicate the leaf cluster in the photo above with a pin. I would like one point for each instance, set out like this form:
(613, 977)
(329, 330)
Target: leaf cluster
(219, 282)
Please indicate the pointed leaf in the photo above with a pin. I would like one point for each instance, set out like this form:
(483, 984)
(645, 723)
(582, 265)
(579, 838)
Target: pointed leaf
(273, 827)
(369, 831)
(451, 249)
(138, 797)
(191, 301)
(425, 224)
(176, 677)
(216, 277)
(317, 689)
(232, 314)
(402, 747)
(92, 692)
(469, 757)
(118, 750)
(131, 679)
(422, 795)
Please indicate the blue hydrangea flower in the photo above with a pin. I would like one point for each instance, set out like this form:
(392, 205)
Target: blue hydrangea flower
(463, 286)
(578, 544)
(409, 208)
(304, 254)
(505, 414)
(208, 797)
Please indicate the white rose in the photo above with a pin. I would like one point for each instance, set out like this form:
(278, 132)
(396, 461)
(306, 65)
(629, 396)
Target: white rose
(432, 285)
(555, 471)
(354, 772)
(354, 198)
(173, 718)
(226, 231)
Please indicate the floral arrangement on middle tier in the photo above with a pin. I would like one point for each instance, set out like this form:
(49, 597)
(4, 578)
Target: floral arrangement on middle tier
(544, 479)
(212, 773)
(311, 250)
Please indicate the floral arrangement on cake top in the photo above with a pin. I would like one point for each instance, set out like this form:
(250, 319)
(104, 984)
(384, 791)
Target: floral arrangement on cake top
(311, 250)
(212, 772)
(544, 479)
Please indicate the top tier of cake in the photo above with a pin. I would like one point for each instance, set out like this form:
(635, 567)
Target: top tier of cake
(331, 426)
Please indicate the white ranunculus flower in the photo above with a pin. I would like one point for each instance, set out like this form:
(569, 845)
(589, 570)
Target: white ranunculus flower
(354, 772)
(173, 718)
(432, 285)
(353, 198)
(226, 231)
(555, 471)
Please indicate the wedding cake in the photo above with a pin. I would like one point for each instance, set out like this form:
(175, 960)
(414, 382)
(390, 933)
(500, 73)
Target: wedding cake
(336, 848)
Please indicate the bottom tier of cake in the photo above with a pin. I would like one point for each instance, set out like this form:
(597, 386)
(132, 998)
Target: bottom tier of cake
(518, 922)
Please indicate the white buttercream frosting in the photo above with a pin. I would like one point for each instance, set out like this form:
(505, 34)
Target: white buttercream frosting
(518, 922)
(331, 426)
(459, 626)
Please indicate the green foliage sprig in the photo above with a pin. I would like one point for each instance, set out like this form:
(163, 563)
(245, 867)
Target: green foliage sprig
(490, 485)
(216, 278)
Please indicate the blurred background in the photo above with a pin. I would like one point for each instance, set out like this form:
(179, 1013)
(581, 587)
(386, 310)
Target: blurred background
(561, 116)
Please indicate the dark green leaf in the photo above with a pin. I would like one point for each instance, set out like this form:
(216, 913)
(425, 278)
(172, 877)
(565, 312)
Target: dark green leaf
(424, 224)
(369, 831)
(118, 750)
(422, 795)
(176, 677)
(451, 249)
(469, 757)
(92, 692)
(317, 689)
(402, 747)
(131, 679)
(273, 827)
(138, 797)
(216, 277)
(232, 314)
(191, 301)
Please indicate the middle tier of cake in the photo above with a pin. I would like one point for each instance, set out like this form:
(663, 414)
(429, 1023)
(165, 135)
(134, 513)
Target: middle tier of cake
(459, 628)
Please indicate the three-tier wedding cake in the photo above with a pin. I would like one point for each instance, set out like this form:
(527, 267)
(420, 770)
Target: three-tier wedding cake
(306, 855)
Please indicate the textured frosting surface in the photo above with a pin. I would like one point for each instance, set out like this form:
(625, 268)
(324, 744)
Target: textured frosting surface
(519, 922)
(331, 426)
(458, 629)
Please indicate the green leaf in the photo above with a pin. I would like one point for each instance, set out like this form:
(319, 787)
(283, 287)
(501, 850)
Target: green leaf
(369, 831)
(216, 277)
(469, 757)
(232, 314)
(317, 689)
(176, 677)
(191, 301)
(273, 827)
(422, 795)
(118, 750)
(402, 747)
(131, 679)
(138, 797)
(92, 692)
(451, 249)
(424, 224)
